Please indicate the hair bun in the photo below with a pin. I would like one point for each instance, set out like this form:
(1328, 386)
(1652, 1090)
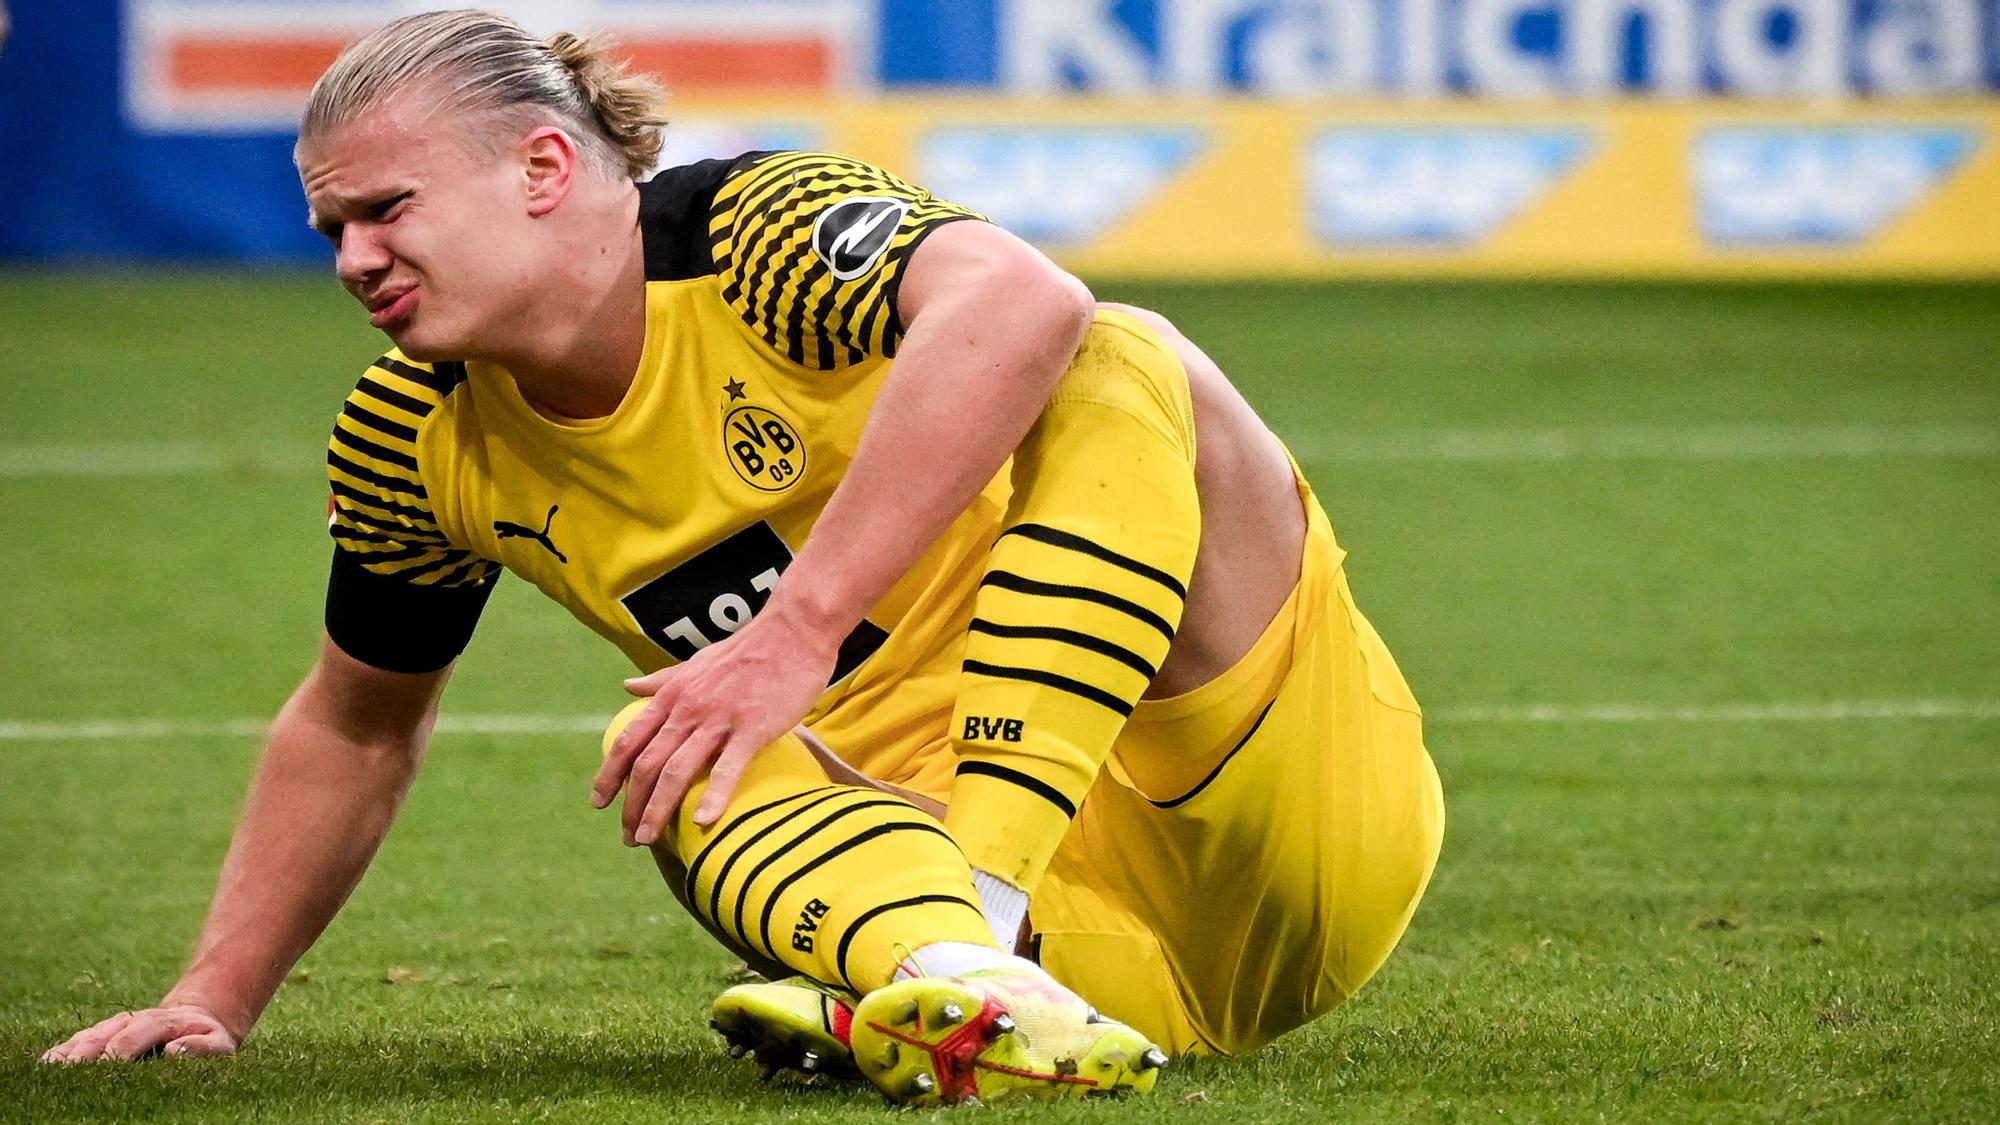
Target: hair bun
(572, 50)
(627, 105)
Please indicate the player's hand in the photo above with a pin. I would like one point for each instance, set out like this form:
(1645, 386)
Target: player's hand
(731, 700)
(183, 1029)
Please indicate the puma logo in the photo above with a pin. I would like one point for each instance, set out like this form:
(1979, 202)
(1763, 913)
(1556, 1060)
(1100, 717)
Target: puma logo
(521, 531)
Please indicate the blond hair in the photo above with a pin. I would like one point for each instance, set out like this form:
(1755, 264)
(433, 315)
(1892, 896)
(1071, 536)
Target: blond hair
(485, 64)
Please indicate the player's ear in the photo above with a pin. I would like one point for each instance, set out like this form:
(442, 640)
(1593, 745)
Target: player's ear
(549, 168)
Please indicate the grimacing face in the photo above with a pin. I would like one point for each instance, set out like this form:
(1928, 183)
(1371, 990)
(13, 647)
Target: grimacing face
(431, 237)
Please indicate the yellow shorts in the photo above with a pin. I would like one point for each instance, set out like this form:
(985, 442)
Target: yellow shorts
(1251, 851)
(1254, 848)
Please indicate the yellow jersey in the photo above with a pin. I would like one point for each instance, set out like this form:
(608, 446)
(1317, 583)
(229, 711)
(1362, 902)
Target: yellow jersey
(770, 324)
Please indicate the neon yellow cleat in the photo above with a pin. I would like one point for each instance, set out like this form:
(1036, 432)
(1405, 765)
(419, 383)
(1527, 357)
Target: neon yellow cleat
(793, 1024)
(994, 1036)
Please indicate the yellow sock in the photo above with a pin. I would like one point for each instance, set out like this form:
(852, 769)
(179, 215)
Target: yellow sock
(837, 882)
(1081, 597)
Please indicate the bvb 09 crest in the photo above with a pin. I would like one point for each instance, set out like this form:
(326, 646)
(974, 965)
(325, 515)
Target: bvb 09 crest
(764, 449)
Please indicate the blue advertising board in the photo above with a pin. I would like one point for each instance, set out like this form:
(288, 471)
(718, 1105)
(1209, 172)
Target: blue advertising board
(1487, 48)
(162, 129)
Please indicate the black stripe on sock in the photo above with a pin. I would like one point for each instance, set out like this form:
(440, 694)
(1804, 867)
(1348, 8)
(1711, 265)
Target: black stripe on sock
(1085, 641)
(743, 849)
(1212, 774)
(721, 834)
(1008, 580)
(1033, 785)
(845, 846)
(1049, 679)
(867, 916)
(750, 880)
(1056, 537)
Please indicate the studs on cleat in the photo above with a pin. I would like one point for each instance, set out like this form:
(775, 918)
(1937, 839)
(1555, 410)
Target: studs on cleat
(738, 1050)
(922, 1084)
(951, 1014)
(1003, 1024)
(1152, 1059)
(810, 1062)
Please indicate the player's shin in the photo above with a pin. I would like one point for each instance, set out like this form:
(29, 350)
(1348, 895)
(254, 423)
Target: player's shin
(846, 885)
(1081, 597)
(835, 882)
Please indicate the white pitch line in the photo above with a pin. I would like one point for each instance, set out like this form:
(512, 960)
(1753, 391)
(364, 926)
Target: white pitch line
(148, 459)
(1716, 443)
(1624, 714)
(1530, 446)
(1826, 711)
(95, 730)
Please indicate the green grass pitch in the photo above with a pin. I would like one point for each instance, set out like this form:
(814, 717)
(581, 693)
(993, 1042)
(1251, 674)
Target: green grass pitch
(1683, 908)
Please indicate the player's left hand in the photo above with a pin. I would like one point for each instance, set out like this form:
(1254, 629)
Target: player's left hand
(729, 701)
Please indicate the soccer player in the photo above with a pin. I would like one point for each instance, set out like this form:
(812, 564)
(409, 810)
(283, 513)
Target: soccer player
(969, 691)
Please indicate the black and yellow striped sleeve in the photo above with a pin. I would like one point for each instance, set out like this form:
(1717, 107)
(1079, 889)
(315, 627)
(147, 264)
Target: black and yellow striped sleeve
(810, 249)
(401, 595)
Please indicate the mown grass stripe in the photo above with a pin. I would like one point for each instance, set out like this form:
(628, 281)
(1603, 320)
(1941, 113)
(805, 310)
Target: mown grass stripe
(1524, 446)
(1816, 711)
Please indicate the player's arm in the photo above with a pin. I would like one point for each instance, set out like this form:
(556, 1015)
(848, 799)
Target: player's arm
(402, 601)
(988, 325)
(339, 759)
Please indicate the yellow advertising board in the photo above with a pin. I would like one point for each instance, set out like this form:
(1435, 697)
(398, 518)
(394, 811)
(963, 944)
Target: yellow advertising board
(1206, 188)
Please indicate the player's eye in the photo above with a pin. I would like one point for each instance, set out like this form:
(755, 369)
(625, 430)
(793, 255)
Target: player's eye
(384, 210)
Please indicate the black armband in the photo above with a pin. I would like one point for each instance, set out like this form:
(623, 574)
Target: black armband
(397, 626)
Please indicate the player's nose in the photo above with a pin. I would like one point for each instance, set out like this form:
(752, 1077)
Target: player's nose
(360, 253)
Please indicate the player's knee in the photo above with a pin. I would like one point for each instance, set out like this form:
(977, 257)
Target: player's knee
(623, 720)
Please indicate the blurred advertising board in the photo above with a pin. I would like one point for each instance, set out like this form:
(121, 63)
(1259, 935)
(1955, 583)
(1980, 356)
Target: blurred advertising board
(1162, 137)
(1247, 188)
(1489, 48)
(246, 64)
(242, 65)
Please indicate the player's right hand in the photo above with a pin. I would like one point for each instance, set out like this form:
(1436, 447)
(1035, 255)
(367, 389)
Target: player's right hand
(183, 1029)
